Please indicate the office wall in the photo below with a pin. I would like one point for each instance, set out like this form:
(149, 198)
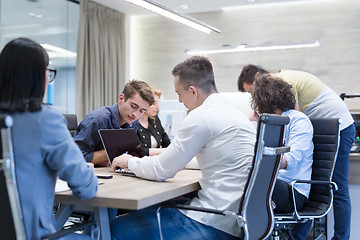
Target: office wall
(56, 23)
(158, 44)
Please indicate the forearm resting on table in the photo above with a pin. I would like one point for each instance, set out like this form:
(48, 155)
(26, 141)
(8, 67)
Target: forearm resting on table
(155, 151)
(100, 158)
(193, 164)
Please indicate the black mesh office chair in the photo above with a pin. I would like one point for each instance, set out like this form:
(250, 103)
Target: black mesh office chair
(255, 215)
(11, 219)
(71, 123)
(326, 141)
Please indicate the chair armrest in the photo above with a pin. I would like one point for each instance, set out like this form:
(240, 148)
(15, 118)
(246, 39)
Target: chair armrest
(193, 208)
(240, 220)
(276, 150)
(332, 185)
(201, 209)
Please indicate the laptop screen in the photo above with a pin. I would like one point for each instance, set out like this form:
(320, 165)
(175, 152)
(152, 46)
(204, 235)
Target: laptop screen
(119, 141)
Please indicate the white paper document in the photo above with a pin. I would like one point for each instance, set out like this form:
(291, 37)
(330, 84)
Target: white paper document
(61, 186)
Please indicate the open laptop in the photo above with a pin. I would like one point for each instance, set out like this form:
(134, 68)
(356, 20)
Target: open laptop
(120, 141)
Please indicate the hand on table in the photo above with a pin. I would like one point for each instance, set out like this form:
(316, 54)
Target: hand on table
(121, 161)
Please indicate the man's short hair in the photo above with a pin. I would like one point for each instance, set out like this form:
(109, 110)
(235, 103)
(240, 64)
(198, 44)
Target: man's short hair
(196, 71)
(136, 86)
(247, 75)
(270, 92)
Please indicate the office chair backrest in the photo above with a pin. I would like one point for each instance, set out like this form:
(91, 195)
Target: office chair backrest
(326, 142)
(256, 206)
(71, 123)
(11, 220)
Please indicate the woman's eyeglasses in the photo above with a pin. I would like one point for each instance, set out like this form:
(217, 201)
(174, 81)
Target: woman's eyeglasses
(52, 74)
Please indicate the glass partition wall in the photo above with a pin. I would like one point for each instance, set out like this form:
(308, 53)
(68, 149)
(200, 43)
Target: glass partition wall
(53, 24)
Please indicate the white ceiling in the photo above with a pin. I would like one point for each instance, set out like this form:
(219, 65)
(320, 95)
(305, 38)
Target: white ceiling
(186, 6)
(15, 14)
(56, 21)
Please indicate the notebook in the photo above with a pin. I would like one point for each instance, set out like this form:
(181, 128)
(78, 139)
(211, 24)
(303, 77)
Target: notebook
(119, 141)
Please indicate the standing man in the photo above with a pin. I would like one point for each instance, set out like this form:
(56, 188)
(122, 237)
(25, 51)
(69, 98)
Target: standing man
(136, 97)
(317, 100)
(222, 139)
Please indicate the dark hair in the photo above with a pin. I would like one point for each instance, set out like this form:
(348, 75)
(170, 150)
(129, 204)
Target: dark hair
(136, 86)
(196, 71)
(23, 64)
(270, 92)
(247, 75)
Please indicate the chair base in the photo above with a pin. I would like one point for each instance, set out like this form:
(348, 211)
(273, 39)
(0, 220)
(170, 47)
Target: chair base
(282, 231)
(318, 230)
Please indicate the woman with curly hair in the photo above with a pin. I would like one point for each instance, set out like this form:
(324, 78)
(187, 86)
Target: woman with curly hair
(271, 94)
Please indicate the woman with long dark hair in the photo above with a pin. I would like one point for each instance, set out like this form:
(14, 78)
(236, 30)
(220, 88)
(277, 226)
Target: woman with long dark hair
(43, 146)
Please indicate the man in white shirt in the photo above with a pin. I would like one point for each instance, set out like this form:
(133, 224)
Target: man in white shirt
(223, 140)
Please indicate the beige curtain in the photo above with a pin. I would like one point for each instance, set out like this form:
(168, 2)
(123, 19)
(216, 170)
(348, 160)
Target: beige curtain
(100, 66)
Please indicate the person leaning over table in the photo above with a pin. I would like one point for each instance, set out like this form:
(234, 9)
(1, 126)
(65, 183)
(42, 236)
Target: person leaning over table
(222, 139)
(132, 103)
(317, 100)
(151, 134)
(271, 94)
(43, 147)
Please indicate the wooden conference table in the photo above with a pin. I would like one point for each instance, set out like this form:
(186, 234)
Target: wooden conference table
(125, 192)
